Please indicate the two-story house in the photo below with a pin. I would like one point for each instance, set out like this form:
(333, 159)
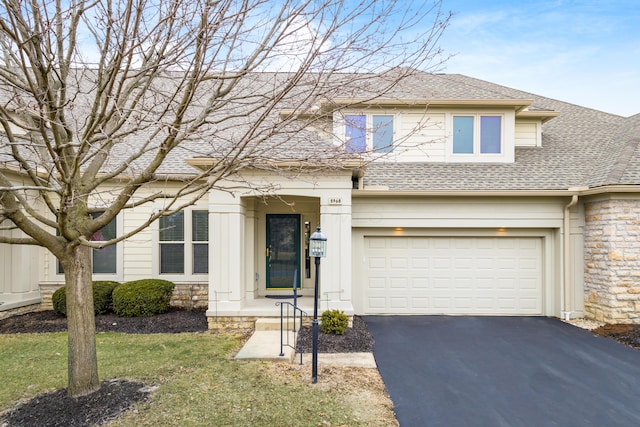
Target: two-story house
(459, 197)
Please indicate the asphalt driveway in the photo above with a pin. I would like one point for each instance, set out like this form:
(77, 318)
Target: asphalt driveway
(504, 371)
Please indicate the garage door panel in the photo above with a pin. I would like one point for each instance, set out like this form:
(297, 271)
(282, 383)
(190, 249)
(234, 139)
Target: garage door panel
(462, 244)
(463, 283)
(528, 263)
(377, 303)
(485, 283)
(453, 275)
(528, 285)
(375, 243)
(377, 262)
(398, 243)
(442, 303)
(376, 283)
(399, 283)
(401, 263)
(420, 263)
(419, 282)
(441, 282)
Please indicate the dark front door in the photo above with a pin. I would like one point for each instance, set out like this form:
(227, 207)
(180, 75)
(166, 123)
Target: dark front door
(283, 250)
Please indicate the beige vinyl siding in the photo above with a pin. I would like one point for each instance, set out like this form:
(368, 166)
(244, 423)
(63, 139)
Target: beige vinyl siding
(19, 270)
(528, 134)
(443, 212)
(20, 265)
(137, 250)
(421, 137)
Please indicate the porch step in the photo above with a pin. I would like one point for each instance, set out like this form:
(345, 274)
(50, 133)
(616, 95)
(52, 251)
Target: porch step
(268, 324)
(265, 345)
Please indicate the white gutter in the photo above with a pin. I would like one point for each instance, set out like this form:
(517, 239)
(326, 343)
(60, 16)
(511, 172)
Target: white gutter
(566, 248)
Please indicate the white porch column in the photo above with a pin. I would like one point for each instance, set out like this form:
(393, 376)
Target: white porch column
(335, 269)
(226, 254)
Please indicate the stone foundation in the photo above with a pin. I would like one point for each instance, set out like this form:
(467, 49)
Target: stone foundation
(4, 314)
(46, 293)
(188, 296)
(612, 261)
(227, 323)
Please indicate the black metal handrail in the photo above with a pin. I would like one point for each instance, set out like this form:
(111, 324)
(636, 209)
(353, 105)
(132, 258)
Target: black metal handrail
(290, 311)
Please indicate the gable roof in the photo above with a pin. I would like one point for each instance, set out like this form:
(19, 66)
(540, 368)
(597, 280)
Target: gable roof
(581, 147)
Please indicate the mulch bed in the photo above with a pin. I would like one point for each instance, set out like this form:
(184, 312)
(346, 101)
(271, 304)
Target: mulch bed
(356, 339)
(57, 409)
(626, 334)
(173, 321)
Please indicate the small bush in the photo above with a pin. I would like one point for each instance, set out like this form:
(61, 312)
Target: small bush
(334, 322)
(59, 300)
(102, 296)
(102, 301)
(142, 297)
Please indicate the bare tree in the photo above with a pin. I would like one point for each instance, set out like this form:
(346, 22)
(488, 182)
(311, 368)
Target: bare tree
(97, 97)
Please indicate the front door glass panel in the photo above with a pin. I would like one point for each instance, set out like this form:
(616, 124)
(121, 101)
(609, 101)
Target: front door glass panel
(283, 251)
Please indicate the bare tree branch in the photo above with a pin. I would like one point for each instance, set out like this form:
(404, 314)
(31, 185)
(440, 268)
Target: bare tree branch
(107, 100)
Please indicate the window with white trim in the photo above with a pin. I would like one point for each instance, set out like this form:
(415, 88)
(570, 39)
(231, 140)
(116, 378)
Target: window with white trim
(477, 134)
(200, 241)
(369, 132)
(184, 243)
(105, 260)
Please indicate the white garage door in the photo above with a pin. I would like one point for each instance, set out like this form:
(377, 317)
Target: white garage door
(453, 275)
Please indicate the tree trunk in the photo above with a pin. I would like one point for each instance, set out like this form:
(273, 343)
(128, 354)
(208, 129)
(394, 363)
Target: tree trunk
(83, 360)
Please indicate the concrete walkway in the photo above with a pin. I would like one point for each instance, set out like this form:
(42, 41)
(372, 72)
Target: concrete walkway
(504, 371)
(264, 344)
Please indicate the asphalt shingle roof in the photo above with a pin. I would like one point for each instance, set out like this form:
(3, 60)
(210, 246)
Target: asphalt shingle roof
(580, 147)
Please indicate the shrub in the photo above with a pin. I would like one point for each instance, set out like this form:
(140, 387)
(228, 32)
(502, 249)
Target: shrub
(334, 322)
(102, 296)
(59, 300)
(142, 297)
(102, 302)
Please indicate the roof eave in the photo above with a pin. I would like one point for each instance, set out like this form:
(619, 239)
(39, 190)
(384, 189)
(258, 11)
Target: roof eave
(379, 191)
(518, 104)
(204, 163)
(467, 193)
(537, 114)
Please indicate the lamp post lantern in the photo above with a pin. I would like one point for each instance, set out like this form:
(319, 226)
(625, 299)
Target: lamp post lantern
(317, 249)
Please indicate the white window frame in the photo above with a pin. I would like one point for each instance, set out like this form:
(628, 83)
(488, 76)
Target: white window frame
(507, 138)
(188, 275)
(369, 130)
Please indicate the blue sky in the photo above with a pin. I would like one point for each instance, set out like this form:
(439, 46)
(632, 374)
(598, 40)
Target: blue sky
(583, 52)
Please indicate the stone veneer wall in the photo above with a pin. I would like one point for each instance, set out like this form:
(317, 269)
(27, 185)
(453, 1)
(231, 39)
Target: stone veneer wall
(20, 310)
(612, 260)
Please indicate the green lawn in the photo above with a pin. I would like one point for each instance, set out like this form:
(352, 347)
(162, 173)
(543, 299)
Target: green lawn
(199, 382)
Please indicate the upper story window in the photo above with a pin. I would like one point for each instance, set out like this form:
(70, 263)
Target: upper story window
(369, 132)
(477, 134)
(184, 242)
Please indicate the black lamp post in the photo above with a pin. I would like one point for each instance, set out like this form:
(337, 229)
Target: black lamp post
(317, 249)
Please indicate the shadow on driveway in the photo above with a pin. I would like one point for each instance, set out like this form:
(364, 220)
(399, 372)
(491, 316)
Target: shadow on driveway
(504, 371)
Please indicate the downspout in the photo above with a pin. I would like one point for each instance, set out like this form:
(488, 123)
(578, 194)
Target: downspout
(566, 313)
